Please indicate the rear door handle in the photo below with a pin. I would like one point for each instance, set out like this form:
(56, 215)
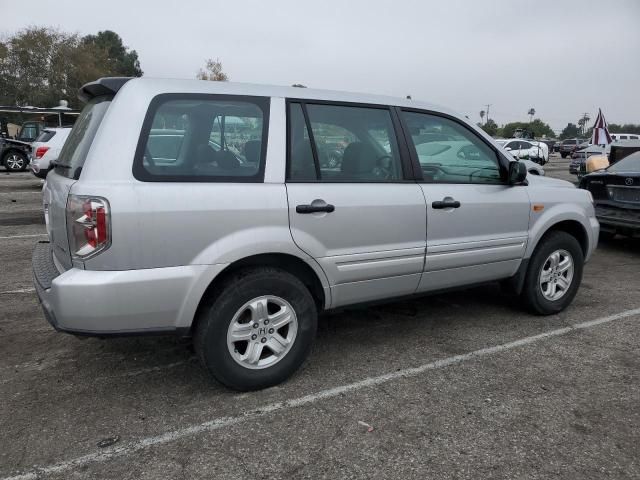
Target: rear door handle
(327, 207)
(446, 203)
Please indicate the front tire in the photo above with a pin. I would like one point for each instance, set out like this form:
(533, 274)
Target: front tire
(554, 274)
(257, 329)
(564, 155)
(15, 162)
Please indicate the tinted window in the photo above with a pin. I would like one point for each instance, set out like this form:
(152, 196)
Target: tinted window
(448, 152)
(627, 164)
(45, 136)
(569, 142)
(203, 138)
(352, 144)
(75, 149)
(623, 137)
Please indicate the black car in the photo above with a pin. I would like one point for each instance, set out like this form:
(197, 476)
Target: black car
(14, 154)
(616, 193)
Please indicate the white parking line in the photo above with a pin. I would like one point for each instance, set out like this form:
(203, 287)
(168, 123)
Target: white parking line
(20, 290)
(24, 236)
(218, 423)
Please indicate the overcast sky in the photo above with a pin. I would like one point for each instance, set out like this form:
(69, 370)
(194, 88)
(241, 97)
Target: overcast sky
(561, 57)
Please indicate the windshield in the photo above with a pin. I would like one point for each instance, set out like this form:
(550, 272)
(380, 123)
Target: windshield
(627, 164)
(74, 152)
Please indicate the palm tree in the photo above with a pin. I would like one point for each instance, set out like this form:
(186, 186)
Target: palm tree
(531, 113)
(482, 112)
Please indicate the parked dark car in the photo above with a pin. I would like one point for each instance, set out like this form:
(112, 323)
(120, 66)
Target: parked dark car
(616, 193)
(569, 146)
(14, 154)
(556, 146)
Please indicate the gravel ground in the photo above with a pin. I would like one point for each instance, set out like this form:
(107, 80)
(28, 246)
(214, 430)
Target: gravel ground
(460, 385)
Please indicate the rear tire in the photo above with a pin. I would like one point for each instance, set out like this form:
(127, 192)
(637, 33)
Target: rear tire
(564, 155)
(262, 297)
(559, 260)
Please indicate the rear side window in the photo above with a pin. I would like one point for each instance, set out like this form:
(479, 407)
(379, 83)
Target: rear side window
(203, 138)
(75, 149)
(45, 136)
(347, 144)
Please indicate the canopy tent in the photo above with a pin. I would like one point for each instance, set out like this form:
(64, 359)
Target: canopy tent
(600, 134)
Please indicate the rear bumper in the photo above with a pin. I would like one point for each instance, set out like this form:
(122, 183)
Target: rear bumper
(129, 302)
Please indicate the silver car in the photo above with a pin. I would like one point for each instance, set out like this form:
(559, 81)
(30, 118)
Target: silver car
(208, 209)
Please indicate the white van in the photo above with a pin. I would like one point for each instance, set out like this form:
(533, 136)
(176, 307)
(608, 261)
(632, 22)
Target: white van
(617, 137)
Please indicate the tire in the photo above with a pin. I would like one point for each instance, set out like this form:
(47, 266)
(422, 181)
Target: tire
(532, 293)
(564, 155)
(232, 305)
(15, 161)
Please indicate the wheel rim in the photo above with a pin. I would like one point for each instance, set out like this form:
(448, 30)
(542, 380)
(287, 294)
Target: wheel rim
(262, 332)
(14, 162)
(556, 275)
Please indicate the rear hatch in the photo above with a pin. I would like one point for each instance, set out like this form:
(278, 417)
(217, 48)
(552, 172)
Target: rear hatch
(67, 171)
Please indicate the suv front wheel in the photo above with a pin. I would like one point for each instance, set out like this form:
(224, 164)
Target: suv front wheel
(257, 330)
(554, 274)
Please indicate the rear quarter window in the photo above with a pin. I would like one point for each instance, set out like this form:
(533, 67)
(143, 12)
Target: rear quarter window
(75, 149)
(203, 138)
(45, 136)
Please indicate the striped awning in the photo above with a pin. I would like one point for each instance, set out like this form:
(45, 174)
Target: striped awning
(600, 134)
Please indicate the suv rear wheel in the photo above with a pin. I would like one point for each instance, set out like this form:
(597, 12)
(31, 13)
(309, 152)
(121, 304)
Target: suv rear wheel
(15, 161)
(257, 330)
(554, 274)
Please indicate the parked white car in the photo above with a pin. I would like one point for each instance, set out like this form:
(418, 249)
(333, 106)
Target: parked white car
(46, 148)
(526, 149)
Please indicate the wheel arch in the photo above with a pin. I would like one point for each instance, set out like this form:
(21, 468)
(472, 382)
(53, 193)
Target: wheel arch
(571, 226)
(283, 261)
(10, 150)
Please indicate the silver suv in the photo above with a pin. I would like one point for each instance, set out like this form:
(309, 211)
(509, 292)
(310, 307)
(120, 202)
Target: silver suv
(236, 213)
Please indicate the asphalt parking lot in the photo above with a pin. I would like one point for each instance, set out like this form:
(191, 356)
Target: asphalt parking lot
(454, 386)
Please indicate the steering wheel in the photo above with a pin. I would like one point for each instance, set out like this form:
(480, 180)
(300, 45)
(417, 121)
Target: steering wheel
(148, 157)
(468, 152)
(433, 171)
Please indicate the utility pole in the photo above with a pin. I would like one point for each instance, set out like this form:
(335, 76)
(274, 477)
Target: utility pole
(585, 118)
(488, 105)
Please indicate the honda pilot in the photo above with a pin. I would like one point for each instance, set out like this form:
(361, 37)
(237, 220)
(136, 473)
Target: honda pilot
(235, 214)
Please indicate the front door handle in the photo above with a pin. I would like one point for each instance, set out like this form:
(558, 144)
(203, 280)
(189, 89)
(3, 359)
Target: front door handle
(327, 207)
(445, 203)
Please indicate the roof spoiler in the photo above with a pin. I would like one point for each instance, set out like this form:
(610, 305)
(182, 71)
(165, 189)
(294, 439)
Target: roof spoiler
(102, 86)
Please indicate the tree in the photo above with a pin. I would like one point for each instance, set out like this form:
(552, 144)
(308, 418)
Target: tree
(120, 60)
(490, 126)
(537, 127)
(482, 113)
(212, 71)
(569, 131)
(40, 66)
(626, 128)
(531, 113)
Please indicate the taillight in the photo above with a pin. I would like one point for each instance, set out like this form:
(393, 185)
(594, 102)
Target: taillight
(40, 151)
(88, 225)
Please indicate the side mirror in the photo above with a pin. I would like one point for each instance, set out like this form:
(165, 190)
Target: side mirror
(517, 173)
